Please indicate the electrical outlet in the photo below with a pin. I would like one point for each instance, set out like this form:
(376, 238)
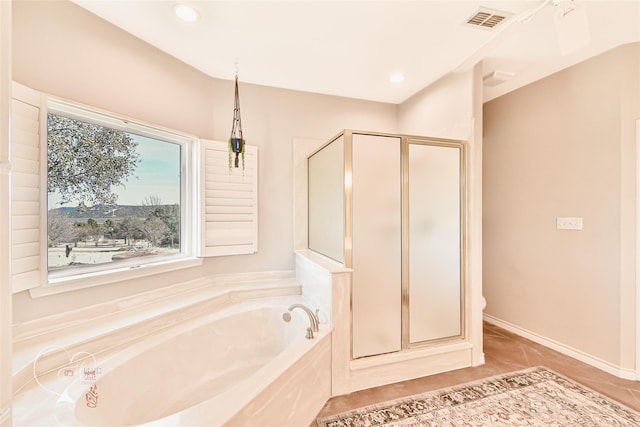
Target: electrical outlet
(569, 223)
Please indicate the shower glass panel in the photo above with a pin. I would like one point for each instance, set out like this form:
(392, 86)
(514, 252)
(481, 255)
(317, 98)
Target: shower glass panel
(377, 243)
(326, 200)
(434, 282)
(392, 208)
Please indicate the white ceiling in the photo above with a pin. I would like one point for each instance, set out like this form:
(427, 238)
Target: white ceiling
(350, 48)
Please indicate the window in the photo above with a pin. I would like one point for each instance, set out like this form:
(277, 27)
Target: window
(116, 193)
(111, 199)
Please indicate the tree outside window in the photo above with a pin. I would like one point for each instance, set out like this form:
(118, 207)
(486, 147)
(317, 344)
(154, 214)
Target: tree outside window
(112, 195)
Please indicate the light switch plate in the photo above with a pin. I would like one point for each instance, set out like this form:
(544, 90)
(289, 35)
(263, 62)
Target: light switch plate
(569, 223)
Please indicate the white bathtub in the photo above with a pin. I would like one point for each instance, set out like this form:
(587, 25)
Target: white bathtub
(241, 366)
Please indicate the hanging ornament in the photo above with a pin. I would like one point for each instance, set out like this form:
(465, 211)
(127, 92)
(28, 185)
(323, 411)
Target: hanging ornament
(236, 141)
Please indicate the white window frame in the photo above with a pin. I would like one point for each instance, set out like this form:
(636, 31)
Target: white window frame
(219, 210)
(63, 281)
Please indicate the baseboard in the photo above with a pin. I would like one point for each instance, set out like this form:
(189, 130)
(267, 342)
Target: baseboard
(627, 374)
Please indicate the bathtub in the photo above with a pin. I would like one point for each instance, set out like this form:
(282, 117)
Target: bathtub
(240, 366)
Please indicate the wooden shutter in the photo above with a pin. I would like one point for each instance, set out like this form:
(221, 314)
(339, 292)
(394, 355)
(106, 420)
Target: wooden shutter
(229, 201)
(28, 216)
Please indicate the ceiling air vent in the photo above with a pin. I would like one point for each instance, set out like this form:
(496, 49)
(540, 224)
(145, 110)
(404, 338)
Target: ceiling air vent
(487, 18)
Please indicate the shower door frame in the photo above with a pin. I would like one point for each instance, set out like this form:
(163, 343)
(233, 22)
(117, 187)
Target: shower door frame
(405, 140)
(405, 282)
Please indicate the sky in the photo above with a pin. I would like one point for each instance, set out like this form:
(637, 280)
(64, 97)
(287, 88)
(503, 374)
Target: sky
(157, 174)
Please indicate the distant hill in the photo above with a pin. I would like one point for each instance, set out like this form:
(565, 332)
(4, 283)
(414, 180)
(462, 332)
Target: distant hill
(105, 211)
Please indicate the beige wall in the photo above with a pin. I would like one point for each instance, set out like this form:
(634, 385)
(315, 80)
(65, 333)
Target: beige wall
(61, 49)
(565, 146)
(443, 109)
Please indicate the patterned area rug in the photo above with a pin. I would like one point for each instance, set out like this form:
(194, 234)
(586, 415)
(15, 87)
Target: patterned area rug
(532, 397)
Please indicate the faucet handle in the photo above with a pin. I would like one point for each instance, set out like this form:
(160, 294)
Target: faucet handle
(309, 335)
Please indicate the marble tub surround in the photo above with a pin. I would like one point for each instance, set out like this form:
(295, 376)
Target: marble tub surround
(202, 371)
(327, 284)
(323, 282)
(284, 397)
(108, 327)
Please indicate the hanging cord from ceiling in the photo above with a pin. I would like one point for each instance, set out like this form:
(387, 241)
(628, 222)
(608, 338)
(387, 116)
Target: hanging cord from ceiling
(236, 140)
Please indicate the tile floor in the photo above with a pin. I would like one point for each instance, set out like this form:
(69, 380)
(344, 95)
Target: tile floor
(504, 352)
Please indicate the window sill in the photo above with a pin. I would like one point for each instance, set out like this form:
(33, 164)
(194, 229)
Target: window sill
(73, 284)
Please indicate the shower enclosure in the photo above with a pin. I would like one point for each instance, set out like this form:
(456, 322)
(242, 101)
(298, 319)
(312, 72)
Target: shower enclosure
(392, 208)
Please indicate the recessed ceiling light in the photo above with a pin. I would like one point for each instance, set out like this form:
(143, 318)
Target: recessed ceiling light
(396, 78)
(186, 13)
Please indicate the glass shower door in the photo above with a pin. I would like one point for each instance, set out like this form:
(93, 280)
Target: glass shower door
(376, 248)
(434, 242)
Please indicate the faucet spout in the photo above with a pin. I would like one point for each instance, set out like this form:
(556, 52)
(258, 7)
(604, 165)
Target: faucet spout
(313, 318)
